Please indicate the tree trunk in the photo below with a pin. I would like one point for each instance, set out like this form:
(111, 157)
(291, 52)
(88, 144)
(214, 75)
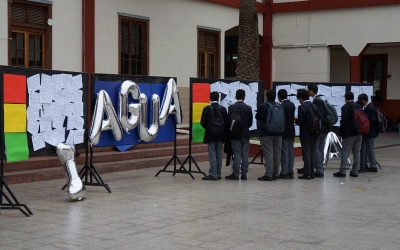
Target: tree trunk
(248, 48)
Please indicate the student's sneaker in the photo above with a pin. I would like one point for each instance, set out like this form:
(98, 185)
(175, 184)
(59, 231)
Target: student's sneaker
(232, 177)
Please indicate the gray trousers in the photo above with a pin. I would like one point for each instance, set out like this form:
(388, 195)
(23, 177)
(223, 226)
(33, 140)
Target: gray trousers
(319, 154)
(308, 150)
(240, 150)
(350, 144)
(367, 150)
(271, 147)
(215, 158)
(287, 156)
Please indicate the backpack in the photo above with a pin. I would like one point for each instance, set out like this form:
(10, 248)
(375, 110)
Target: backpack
(275, 122)
(381, 122)
(235, 124)
(216, 124)
(314, 124)
(331, 116)
(360, 123)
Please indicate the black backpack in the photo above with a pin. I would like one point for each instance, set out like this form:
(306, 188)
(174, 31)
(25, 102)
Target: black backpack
(381, 122)
(235, 124)
(314, 125)
(216, 123)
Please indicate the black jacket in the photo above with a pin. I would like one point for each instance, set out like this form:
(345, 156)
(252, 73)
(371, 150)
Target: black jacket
(372, 115)
(302, 122)
(347, 120)
(321, 108)
(246, 113)
(262, 115)
(205, 117)
(289, 118)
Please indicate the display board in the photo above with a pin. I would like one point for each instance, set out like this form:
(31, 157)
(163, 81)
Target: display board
(332, 92)
(41, 108)
(200, 89)
(148, 85)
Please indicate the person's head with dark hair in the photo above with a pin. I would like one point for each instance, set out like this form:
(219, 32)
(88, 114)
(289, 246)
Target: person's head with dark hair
(214, 96)
(282, 95)
(349, 96)
(363, 98)
(312, 89)
(271, 94)
(240, 94)
(302, 95)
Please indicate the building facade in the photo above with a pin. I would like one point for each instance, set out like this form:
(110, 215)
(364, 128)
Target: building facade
(309, 41)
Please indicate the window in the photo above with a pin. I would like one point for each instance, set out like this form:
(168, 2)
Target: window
(133, 46)
(208, 54)
(374, 70)
(231, 54)
(29, 34)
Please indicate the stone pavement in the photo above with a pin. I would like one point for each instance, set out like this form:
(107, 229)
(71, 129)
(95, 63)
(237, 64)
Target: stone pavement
(165, 212)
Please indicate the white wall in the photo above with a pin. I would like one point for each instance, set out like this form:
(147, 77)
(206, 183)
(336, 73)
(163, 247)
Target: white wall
(173, 33)
(67, 35)
(353, 27)
(4, 32)
(339, 66)
(301, 65)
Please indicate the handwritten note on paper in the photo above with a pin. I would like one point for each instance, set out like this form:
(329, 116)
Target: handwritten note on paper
(34, 99)
(77, 96)
(51, 137)
(67, 81)
(70, 138)
(46, 89)
(79, 122)
(324, 90)
(356, 91)
(58, 121)
(225, 88)
(79, 136)
(68, 95)
(58, 108)
(69, 109)
(338, 91)
(58, 80)
(77, 82)
(294, 87)
(60, 134)
(70, 122)
(46, 110)
(38, 141)
(32, 114)
(33, 127)
(254, 87)
(338, 110)
(58, 94)
(78, 106)
(45, 123)
(368, 90)
(215, 87)
(33, 83)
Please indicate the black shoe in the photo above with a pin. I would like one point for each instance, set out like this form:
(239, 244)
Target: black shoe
(353, 175)
(232, 177)
(265, 178)
(219, 177)
(275, 178)
(243, 177)
(312, 177)
(318, 175)
(338, 174)
(291, 176)
(300, 171)
(209, 178)
(285, 177)
(305, 177)
(361, 171)
(374, 170)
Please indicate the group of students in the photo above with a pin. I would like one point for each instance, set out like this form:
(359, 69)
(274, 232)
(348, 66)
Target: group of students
(277, 143)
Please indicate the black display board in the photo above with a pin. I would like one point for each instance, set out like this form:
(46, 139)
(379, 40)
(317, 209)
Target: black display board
(30, 72)
(260, 97)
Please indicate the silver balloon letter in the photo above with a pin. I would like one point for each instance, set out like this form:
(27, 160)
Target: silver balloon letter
(171, 93)
(129, 123)
(75, 188)
(144, 133)
(104, 104)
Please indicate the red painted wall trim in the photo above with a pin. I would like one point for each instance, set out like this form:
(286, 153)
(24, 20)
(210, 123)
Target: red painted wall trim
(328, 4)
(355, 68)
(236, 4)
(88, 55)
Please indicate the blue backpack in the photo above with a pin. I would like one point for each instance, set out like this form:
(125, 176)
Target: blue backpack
(275, 122)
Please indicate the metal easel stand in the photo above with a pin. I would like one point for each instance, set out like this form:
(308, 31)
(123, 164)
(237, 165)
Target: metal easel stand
(182, 169)
(88, 172)
(333, 142)
(260, 153)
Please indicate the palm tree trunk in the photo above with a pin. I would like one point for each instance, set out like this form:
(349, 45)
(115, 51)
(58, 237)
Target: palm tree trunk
(248, 48)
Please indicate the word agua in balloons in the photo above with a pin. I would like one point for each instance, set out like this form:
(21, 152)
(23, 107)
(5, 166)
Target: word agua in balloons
(131, 115)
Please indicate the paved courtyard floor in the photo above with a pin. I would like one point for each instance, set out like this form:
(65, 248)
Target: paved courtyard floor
(166, 212)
